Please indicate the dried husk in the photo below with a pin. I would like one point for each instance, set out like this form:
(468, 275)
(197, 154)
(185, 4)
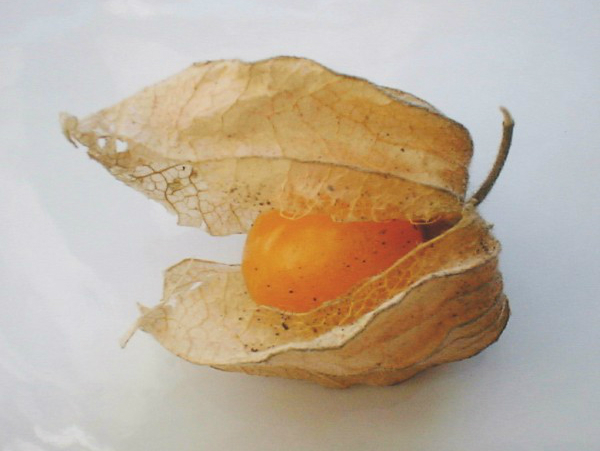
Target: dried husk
(224, 141)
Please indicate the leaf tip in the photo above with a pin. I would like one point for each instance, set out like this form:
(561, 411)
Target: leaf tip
(68, 125)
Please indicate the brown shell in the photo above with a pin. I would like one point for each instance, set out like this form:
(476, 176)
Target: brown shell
(224, 141)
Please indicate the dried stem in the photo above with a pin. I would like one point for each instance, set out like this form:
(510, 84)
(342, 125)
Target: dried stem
(507, 133)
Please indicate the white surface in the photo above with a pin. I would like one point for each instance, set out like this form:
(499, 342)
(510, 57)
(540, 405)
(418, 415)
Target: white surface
(78, 249)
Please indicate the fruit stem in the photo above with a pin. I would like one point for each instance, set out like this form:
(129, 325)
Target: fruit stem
(507, 132)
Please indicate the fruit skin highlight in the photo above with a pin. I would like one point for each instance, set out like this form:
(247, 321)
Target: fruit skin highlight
(297, 264)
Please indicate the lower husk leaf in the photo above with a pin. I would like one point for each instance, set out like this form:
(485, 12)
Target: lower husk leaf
(380, 333)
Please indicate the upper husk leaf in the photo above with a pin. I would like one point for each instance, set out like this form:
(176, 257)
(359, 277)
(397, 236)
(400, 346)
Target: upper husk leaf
(223, 141)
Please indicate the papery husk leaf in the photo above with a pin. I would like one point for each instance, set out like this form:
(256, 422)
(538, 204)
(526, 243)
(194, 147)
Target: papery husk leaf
(224, 141)
(441, 302)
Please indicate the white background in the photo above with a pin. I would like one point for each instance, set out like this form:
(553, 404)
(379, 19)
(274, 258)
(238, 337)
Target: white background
(78, 249)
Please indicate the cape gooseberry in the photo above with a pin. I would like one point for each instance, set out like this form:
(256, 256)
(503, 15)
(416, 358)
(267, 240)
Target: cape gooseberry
(352, 292)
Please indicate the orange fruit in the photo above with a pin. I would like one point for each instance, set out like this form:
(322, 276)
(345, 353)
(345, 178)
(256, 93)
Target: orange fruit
(297, 264)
